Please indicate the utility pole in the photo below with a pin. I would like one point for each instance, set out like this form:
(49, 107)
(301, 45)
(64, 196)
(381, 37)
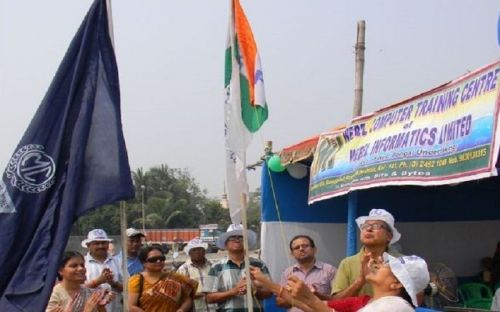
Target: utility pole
(360, 66)
(352, 201)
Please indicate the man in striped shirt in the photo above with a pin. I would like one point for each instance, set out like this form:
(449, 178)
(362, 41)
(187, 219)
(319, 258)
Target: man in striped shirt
(226, 283)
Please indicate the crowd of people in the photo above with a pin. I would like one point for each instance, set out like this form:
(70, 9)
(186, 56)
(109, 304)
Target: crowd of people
(377, 278)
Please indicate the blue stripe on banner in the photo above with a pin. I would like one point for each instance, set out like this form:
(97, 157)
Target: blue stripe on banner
(470, 201)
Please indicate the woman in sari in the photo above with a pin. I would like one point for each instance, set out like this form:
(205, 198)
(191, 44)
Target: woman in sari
(69, 295)
(155, 290)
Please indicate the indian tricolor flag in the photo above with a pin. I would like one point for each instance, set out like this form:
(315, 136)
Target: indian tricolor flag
(245, 105)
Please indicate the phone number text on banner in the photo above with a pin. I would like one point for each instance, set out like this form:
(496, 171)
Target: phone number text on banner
(446, 135)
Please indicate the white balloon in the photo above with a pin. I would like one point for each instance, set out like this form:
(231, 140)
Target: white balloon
(297, 170)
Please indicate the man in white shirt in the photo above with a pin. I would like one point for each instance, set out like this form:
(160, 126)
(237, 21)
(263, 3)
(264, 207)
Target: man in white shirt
(197, 268)
(103, 270)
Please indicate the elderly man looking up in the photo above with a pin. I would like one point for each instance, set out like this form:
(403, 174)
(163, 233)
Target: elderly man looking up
(396, 284)
(134, 244)
(197, 268)
(377, 235)
(226, 284)
(315, 274)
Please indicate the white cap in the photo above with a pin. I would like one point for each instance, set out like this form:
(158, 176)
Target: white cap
(195, 243)
(381, 215)
(131, 232)
(411, 272)
(236, 230)
(97, 235)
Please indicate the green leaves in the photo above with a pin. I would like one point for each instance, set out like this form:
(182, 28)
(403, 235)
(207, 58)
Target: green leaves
(171, 198)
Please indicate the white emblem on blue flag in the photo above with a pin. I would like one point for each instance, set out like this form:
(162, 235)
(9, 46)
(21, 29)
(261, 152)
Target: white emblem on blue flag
(6, 205)
(31, 170)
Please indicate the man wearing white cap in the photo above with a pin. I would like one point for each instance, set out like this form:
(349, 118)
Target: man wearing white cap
(197, 268)
(226, 283)
(103, 270)
(134, 243)
(377, 233)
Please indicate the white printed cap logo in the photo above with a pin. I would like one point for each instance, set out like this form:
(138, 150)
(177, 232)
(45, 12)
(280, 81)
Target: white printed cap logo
(31, 170)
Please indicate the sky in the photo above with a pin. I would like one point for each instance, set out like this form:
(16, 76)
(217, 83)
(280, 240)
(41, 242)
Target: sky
(170, 58)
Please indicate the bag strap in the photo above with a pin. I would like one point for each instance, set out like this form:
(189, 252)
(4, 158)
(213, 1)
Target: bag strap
(141, 286)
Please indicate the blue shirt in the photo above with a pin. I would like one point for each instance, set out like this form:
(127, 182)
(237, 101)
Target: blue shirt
(134, 266)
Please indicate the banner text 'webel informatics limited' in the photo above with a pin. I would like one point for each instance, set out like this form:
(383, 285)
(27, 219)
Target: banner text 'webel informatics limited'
(446, 135)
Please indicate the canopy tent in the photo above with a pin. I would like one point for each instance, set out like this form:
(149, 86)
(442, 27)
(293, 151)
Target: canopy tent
(455, 224)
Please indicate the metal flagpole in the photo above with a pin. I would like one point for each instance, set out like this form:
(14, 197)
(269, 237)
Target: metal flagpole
(249, 294)
(248, 280)
(352, 205)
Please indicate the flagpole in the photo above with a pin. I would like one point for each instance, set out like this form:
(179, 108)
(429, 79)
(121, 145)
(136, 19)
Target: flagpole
(123, 212)
(124, 238)
(110, 23)
(248, 280)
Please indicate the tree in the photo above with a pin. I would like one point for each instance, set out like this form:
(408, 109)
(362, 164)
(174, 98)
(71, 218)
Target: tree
(106, 217)
(214, 213)
(254, 209)
(172, 199)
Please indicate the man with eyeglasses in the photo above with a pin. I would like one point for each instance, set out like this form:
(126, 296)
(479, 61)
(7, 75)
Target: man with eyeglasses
(377, 234)
(316, 275)
(226, 283)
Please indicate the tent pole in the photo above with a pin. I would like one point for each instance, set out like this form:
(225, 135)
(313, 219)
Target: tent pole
(352, 212)
(352, 206)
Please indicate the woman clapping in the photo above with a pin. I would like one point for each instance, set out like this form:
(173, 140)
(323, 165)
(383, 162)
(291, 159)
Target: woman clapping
(70, 295)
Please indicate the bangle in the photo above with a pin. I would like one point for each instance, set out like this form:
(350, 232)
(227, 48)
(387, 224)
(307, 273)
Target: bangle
(280, 292)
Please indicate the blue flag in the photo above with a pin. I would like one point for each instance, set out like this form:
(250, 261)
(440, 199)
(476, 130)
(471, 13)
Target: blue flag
(71, 159)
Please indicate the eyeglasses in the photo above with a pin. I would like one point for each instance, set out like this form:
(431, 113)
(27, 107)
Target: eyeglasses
(372, 226)
(155, 259)
(303, 246)
(235, 238)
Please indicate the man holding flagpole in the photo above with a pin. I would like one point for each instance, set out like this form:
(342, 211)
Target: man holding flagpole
(226, 282)
(245, 111)
(71, 159)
